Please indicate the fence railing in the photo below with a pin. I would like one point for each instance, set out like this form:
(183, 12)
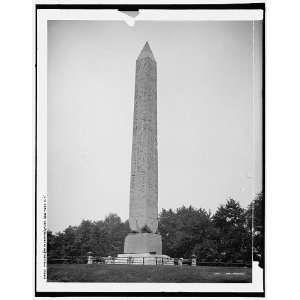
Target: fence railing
(142, 260)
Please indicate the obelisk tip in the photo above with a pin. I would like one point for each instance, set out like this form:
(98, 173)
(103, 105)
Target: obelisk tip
(146, 52)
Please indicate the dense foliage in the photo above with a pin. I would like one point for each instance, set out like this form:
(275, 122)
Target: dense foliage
(225, 236)
(255, 221)
(103, 238)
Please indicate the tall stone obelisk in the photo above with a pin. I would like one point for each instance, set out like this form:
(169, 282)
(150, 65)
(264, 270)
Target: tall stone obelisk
(143, 210)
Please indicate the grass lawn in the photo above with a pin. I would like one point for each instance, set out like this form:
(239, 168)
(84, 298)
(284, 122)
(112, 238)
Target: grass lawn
(140, 273)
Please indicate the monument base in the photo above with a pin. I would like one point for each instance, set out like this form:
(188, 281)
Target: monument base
(141, 259)
(137, 243)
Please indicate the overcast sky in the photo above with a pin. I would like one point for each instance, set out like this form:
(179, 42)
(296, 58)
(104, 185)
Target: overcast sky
(209, 115)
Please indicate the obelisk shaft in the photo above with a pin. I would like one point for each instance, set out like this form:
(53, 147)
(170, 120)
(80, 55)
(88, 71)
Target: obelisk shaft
(144, 164)
(143, 185)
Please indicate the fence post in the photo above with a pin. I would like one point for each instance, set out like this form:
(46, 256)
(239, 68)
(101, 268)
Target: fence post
(180, 262)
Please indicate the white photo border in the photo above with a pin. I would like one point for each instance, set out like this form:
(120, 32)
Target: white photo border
(160, 12)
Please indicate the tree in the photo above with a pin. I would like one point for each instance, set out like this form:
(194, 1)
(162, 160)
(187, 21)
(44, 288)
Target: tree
(117, 232)
(70, 246)
(255, 224)
(55, 245)
(183, 229)
(207, 250)
(167, 229)
(234, 239)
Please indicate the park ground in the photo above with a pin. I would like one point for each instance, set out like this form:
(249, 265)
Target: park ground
(130, 273)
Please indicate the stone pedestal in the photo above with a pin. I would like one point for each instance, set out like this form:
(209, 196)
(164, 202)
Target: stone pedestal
(143, 243)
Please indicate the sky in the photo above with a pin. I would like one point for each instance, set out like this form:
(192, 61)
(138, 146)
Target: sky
(209, 115)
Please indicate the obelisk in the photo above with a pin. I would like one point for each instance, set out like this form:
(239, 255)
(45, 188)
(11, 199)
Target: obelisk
(143, 210)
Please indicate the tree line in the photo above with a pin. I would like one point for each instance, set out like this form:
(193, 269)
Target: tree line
(228, 235)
